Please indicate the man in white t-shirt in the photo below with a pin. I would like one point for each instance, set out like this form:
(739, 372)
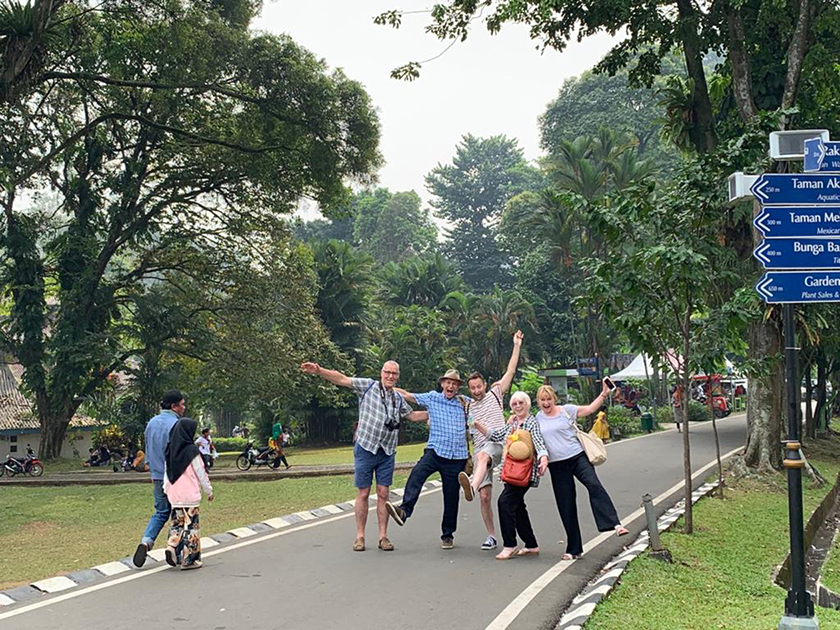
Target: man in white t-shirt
(487, 407)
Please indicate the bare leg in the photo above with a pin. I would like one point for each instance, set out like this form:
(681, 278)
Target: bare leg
(361, 509)
(482, 461)
(382, 496)
(486, 496)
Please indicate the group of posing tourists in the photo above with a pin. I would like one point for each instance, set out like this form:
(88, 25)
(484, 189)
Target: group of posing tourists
(526, 446)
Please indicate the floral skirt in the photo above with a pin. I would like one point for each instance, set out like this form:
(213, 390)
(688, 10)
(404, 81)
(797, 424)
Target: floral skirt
(185, 535)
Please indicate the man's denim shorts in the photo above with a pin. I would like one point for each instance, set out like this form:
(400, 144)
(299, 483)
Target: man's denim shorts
(367, 463)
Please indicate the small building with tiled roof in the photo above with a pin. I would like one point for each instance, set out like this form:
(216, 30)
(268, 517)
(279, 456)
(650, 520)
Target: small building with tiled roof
(19, 424)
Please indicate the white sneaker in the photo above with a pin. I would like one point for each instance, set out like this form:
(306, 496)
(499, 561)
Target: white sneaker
(489, 544)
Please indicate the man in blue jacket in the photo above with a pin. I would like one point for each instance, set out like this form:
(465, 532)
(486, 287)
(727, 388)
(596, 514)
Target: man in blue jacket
(172, 407)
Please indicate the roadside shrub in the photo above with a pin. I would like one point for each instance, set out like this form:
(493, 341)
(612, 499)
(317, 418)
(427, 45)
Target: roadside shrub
(665, 415)
(230, 444)
(698, 412)
(622, 419)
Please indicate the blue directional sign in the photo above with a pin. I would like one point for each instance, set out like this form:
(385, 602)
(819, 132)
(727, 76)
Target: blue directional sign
(799, 253)
(822, 156)
(793, 221)
(795, 189)
(777, 287)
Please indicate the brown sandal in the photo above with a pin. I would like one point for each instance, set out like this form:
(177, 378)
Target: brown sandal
(385, 544)
(359, 544)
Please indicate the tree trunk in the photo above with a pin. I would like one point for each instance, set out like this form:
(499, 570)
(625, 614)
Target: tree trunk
(710, 403)
(702, 134)
(53, 429)
(820, 410)
(810, 428)
(764, 400)
(689, 506)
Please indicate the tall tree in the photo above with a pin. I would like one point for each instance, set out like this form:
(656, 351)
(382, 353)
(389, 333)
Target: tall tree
(770, 53)
(154, 125)
(470, 194)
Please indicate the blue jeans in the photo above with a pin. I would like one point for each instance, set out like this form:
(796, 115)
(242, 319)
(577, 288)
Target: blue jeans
(431, 463)
(160, 517)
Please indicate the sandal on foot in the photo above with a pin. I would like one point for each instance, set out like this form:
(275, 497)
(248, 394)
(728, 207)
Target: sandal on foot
(621, 531)
(528, 552)
(507, 555)
(385, 544)
(464, 480)
(359, 544)
(570, 556)
(171, 557)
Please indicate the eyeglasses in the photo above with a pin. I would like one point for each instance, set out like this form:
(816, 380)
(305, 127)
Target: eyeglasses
(387, 373)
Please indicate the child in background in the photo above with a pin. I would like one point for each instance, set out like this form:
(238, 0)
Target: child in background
(184, 480)
(600, 428)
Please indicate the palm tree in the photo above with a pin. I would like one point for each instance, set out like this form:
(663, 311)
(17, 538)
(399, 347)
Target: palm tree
(345, 279)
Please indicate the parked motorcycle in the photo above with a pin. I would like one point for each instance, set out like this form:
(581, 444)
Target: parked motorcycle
(29, 465)
(251, 456)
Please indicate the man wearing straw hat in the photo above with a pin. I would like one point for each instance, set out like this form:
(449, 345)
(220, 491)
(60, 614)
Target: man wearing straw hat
(445, 453)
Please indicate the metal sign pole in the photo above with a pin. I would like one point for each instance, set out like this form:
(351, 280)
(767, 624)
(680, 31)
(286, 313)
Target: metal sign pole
(799, 609)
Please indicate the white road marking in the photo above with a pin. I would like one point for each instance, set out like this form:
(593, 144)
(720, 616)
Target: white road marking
(146, 572)
(543, 580)
(111, 568)
(54, 584)
(241, 532)
(512, 610)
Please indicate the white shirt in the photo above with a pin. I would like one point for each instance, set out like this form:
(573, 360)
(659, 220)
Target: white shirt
(203, 445)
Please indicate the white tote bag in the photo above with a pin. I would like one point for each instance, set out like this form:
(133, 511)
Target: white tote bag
(592, 445)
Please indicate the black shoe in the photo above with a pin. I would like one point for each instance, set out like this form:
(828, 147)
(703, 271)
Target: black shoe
(171, 557)
(447, 542)
(397, 513)
(140, 555)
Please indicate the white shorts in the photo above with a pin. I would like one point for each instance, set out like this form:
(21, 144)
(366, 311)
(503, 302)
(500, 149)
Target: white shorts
(494, 451)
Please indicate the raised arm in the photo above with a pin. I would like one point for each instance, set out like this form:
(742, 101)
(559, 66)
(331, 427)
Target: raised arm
(595, 405)
(407, 395)
(505, 381)
(332, 376)
(418, 416)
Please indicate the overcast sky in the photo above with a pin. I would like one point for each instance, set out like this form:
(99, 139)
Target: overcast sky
(485, 86)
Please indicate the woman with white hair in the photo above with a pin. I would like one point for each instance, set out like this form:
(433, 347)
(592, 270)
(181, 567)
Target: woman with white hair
(513, 515)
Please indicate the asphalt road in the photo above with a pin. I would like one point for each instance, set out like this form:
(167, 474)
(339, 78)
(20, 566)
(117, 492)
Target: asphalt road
(309, 577)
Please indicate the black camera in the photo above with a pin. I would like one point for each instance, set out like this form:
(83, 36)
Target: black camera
(392, 424)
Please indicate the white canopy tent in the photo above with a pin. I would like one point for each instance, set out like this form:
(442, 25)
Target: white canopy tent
(636, 369)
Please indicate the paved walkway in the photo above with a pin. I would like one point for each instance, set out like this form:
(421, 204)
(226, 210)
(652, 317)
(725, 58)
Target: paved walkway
(306, 576)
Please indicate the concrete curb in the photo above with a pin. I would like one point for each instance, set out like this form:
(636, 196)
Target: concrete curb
(102, 572)
(583, 605)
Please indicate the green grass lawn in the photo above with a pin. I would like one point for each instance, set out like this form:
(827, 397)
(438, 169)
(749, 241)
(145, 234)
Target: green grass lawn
(721, 574)
(296, 456)
(831, 569)
(97, 524)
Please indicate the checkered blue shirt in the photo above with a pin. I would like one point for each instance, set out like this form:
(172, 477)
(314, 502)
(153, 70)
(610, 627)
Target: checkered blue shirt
(374, 411)
(447, 425)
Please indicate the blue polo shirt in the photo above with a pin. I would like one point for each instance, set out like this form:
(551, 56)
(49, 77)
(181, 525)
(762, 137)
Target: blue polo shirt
(447, 425)
(157, 439)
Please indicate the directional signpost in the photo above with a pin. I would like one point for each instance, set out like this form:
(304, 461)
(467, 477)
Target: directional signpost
(795, 189)
(822, 156)
(793, 221)
(800, 223)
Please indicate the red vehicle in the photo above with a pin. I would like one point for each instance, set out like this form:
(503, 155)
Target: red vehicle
(30, 465)
(706, 384)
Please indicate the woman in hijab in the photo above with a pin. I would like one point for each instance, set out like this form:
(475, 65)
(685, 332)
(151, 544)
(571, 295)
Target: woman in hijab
(184, 480)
